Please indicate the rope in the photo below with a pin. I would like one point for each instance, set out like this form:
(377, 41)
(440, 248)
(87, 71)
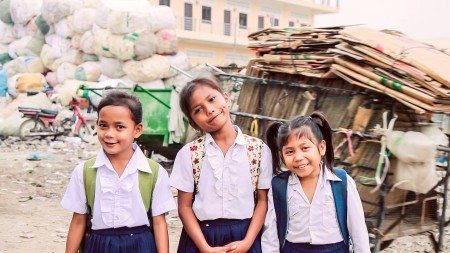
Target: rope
(254, 128)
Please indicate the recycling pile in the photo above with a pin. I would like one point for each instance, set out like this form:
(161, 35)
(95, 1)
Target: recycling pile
(104, 43)
(303, 51)
(411, 72)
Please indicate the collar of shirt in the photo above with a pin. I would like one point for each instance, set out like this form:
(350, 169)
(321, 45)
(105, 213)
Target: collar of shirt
(138, 161)
(325, 175)
(240, 139)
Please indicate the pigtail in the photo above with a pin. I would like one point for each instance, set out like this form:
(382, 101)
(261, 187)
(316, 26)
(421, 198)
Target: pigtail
(325, 128)
(272, 142)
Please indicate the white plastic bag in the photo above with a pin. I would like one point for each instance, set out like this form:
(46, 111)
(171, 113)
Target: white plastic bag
(55, 10)
(23, 11)
(415, 164)
(83, 19)
(155, 67)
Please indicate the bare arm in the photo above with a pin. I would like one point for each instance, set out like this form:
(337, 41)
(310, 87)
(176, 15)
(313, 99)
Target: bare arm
(255, 225)
(76, 232)
(161, 233)
(191, 225)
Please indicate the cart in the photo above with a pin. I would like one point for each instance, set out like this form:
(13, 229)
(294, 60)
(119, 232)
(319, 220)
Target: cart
(388, 216)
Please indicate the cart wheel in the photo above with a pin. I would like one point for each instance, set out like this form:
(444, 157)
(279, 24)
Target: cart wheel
(88, 132)
(28, 126)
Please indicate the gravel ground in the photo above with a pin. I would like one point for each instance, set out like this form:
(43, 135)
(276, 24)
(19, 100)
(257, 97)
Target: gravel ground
(31, 219)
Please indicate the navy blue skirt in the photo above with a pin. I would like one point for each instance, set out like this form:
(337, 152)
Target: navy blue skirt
(338, 247)
(218, 233)
(121, 240)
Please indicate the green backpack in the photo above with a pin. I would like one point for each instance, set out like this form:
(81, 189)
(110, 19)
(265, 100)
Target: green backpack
(147, 183)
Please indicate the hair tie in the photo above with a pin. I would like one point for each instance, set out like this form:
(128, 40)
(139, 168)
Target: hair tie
(316, 120)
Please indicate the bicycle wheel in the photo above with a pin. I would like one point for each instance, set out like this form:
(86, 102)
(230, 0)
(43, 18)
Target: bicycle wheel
(88, 132)
(28, 127)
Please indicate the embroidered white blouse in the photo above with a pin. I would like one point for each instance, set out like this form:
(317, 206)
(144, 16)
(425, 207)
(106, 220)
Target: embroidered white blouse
(118, 201)
(316, 222)
(225, 184)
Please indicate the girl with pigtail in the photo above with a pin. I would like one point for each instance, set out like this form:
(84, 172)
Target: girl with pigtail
(312, 207)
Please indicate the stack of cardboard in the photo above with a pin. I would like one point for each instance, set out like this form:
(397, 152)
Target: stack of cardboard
(414, 73)
(302, 51)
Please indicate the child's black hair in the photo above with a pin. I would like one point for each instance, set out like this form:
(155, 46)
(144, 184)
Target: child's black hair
(189, 89)
(315, 127)
(121, 98)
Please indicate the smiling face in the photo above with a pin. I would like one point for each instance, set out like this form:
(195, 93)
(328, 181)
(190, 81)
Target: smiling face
(302, 155)
(117, 131)
(209, 109)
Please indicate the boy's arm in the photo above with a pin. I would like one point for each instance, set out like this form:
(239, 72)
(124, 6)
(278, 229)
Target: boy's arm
(161, 233)
(76, 232)
(191, 225)
(255, 225)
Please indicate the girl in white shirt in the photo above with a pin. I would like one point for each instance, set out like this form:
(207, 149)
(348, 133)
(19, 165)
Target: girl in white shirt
(118, 215)
(302, 199)
(218, 211)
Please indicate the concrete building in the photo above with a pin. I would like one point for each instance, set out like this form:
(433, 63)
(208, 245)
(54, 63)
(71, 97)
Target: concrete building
(215, 31)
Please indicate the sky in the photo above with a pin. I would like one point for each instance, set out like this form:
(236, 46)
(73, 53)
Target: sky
(424, 20)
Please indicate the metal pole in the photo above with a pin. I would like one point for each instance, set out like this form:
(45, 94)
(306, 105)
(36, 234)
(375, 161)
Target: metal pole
(215, 68)
(444, 208)
(381, 215)
(181, 71)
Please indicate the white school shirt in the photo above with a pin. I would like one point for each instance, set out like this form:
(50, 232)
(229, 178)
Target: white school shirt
(316, 223)
(225, 185)
(118, 201)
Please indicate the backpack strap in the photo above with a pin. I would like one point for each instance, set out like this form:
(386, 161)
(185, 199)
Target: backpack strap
(89, 177)
(254, 153)
(279, 192)
(147, 183)
(197, 148)
(339, 189)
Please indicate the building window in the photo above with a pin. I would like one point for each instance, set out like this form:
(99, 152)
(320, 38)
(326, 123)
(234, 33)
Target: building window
(188, 17)
(164, 2)
(274, 21)
(206, 14)
(227, 22)
(260, 22)
(291, 23)
(242, 20)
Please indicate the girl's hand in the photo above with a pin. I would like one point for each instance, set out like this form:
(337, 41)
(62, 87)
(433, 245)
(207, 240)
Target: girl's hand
(223, 249)
(239, 246)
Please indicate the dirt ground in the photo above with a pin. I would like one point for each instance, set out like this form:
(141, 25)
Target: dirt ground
(31, 218)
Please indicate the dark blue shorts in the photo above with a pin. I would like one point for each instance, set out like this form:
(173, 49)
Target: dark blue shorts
(338, 247)
(121, 240)
(218, 233)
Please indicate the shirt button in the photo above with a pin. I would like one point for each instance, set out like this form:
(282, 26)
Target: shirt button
(116, 217)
